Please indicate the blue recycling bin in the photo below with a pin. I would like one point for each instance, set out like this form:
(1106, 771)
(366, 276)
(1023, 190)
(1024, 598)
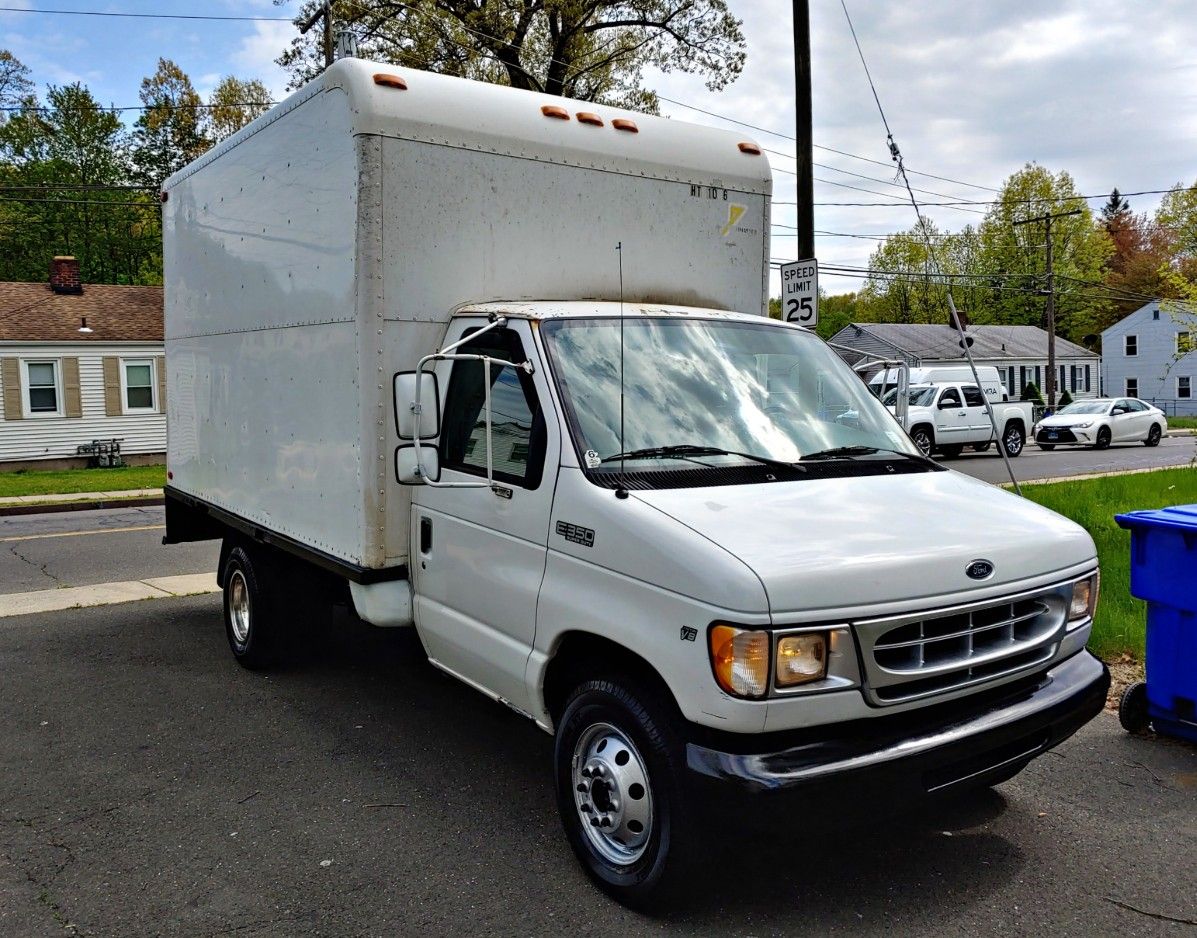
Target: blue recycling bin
(1164, 575)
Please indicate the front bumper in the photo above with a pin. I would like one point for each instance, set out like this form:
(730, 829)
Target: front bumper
(949, 745)
(1065, 435)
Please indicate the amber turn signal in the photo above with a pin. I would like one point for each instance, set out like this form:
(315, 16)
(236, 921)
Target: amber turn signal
(740, 660)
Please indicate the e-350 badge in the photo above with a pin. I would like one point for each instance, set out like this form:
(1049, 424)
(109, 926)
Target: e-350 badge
(576, 534)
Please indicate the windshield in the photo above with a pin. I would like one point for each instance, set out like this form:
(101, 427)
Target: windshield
(916, 397)
(750, 389)
(1085, 407)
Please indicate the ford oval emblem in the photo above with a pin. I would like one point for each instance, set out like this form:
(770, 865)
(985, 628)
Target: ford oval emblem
(979, 570)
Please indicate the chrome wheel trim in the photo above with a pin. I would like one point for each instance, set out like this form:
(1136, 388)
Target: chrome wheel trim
(922, 440)
(1013, 441)
(239, 620)
(611, 794)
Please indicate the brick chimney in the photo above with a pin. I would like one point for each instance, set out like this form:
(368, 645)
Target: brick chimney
(64, 275)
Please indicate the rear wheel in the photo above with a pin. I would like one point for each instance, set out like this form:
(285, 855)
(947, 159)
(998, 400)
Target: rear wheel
(1014, 439)
(1132, 708)
(251, 621)
(1153, 435)
(619, 767)
(1103, 439)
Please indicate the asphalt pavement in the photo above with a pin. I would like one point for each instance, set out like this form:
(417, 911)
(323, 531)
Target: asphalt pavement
(1035, 463)
(148, 785)
(81, 548)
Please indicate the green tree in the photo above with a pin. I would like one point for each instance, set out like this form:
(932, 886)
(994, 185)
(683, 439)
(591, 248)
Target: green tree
(1177, 217)
(234, 102)
(1014, 256)
(15, 85)
(169, 133)
(593, 50)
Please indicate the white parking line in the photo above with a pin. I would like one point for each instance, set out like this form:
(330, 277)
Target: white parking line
(38, 537)
(106, 594)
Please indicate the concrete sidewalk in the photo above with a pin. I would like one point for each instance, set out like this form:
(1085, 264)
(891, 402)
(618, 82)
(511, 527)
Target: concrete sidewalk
(74, 501)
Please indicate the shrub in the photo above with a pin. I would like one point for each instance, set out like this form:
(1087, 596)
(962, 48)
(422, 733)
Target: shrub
(1031, 393)
(1065, 398)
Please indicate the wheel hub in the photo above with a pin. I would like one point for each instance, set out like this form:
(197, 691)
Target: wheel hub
(239, 607)
(612, 794)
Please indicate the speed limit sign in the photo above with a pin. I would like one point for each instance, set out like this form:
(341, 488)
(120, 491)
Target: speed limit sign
(800, 292)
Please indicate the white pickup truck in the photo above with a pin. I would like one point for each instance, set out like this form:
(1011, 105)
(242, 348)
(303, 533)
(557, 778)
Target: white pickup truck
(496, 366)
(946, 417)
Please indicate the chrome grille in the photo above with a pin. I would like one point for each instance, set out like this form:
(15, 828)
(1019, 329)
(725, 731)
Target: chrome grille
(934, 652)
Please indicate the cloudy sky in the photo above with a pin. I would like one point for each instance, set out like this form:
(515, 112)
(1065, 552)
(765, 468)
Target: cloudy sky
(973, 89)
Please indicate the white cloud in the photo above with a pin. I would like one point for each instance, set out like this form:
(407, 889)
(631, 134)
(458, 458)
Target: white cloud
(254, 57)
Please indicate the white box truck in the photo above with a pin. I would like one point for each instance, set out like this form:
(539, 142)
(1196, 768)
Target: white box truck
(495, 365)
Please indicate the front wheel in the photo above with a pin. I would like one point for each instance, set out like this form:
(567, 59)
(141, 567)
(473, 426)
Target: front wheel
(1103, 439)
(1153, 435)
(619, 765)
(1013, 440)
(922, 439)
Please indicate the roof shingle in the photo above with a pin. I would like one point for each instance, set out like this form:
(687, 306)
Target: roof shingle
(937, 341)
(32, 312)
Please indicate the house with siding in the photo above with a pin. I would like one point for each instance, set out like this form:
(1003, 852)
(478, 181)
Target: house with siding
(1018, 352)
(80, 363)
(1150, 355)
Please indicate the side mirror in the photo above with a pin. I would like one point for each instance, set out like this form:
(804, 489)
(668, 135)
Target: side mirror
(404, 394)
(948, 403)
(417, 465)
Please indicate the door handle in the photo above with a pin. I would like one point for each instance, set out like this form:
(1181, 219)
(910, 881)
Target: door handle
(962, 413)
(425, 535)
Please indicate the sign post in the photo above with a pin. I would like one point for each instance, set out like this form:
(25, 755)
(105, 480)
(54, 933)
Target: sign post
(800, 292)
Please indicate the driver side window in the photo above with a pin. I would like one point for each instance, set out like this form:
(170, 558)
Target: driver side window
(517, 424)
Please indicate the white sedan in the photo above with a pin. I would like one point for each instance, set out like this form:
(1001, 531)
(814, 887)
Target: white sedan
(1101, 421)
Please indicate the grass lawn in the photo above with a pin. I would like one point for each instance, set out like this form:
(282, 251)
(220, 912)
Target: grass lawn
(38, 482)
(1182, 423)
(1092, 503)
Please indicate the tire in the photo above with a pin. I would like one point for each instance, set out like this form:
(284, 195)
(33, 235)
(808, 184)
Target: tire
(1132, 708)
(652, 833)
(982, 447)
(1103, 439)
(1047, 447)
(952, 451)
(1014, 439)
(923, 439)
(1153, 435)
(251, 621)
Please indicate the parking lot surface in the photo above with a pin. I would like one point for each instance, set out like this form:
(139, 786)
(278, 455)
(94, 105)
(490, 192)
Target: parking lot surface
(150, 786)
(1034, 463)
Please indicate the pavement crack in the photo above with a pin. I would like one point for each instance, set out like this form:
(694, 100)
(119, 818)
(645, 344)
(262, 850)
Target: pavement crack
(1156, 915)
(41, 567)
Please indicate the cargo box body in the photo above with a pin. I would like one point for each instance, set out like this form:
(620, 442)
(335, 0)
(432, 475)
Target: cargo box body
(324, 247)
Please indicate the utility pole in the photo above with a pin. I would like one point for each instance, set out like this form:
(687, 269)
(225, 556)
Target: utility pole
(324, 12)
(1050, 293)
(805, 207)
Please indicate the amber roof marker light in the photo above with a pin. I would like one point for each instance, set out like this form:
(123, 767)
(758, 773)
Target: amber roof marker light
(750, 148)
(388, 80)
(586, 117)
(622, 123)
(558, 113)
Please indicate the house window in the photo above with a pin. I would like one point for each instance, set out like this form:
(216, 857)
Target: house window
(1155, 315)
(138, 376)
(1132, 346)
(1184, 343)
(41, 382)
(1184, 387)
(1132, 387)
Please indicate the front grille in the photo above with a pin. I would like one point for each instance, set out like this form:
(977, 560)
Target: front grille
(1062, 435)
(921, 655)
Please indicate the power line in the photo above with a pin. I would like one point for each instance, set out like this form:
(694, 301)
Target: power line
(153, 16)
(114, 202)
(43, 109)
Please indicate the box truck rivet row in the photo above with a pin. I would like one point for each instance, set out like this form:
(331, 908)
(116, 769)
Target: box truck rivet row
(678, 535)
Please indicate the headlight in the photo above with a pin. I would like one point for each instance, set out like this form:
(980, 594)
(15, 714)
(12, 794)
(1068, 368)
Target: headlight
(1084, 598)
(740, 660)
(1086, 425)
(801, 659)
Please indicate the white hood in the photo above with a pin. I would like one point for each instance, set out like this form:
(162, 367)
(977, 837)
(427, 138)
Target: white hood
(1070, 420)
(877, 541)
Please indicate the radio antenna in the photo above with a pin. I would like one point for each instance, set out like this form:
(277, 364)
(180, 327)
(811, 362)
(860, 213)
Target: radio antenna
(619, 252)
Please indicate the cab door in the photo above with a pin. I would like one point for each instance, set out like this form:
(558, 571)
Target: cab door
(478, 554)
(1122, 421)
(951, 418)
(979, 428)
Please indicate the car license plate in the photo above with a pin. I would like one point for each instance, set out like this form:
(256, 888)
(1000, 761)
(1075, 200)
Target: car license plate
(1053, 435)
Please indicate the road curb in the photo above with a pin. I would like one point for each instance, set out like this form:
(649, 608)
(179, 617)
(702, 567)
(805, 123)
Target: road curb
(41, 508)
(1092, 475)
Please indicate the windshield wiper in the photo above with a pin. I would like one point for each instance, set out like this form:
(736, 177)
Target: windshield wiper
(683, 450)
(851, 452)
